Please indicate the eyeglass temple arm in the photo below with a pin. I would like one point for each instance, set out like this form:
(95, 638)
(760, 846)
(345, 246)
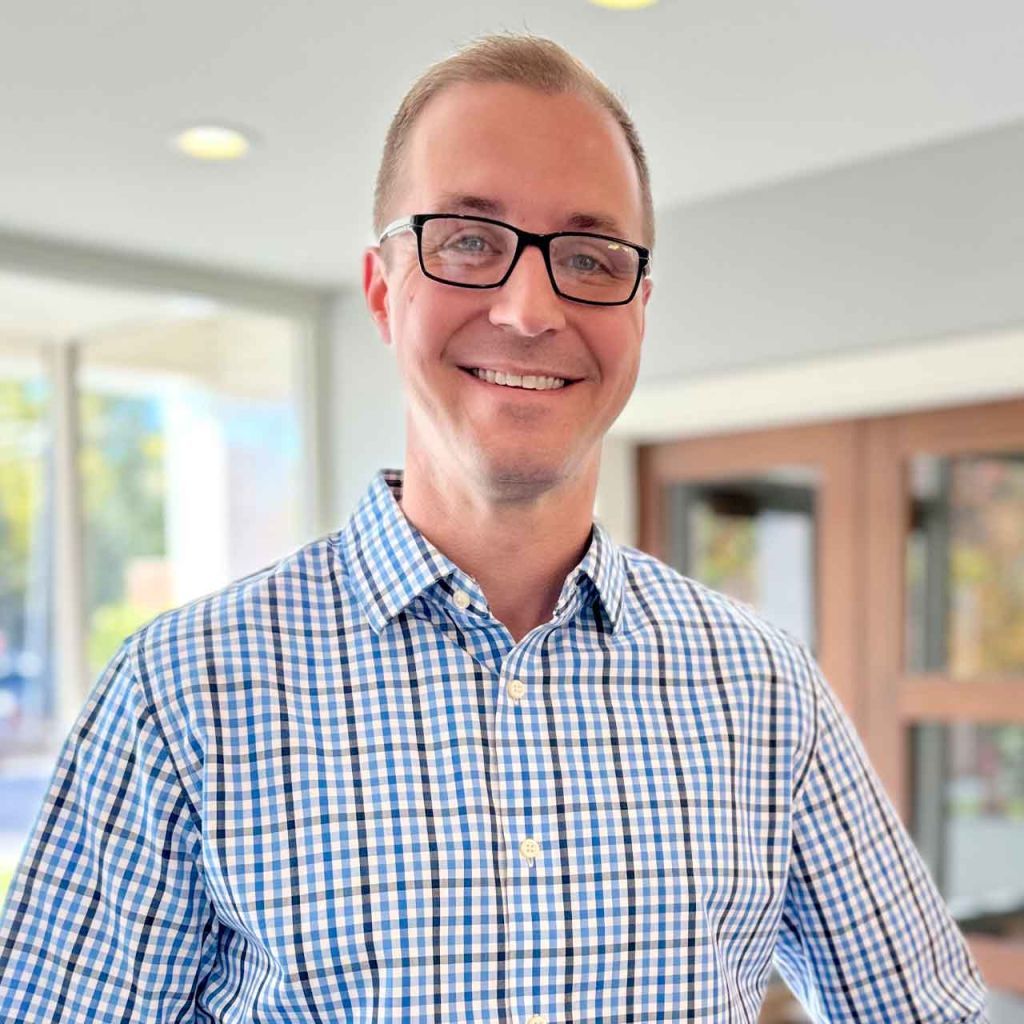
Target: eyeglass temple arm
(394, 227)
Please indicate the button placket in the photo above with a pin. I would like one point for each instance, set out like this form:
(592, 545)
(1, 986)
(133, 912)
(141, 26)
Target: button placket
(518, 734)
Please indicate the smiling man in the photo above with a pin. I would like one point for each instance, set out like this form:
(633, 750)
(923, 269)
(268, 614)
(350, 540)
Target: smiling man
(501, 471)
(467, 758)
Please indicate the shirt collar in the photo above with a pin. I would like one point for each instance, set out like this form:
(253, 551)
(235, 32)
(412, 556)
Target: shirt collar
(390, 563)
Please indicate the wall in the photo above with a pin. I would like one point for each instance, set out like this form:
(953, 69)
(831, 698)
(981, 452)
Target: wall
(365, 415)
(918, 245)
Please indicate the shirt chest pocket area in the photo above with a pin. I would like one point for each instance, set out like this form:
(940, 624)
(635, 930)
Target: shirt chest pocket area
(325, 851)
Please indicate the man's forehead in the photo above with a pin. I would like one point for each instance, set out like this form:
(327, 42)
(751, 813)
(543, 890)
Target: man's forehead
(448, 201)
(542, 161)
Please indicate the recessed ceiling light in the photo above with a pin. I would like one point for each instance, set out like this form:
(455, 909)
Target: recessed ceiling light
(212, 142)
(624, 5)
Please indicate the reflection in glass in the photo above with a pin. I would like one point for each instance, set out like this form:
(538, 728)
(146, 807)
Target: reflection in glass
(753, 538)
(965, 565)
(969, 820)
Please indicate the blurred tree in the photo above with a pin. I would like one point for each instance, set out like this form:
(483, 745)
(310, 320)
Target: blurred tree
(23, 408)
(987, 566)
(123, 493)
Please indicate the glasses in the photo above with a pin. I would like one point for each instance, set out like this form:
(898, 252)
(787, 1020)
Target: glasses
(477, 252)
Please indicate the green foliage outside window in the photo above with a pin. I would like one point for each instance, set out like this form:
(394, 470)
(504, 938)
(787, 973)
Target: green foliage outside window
(23, 408)
(123, 493)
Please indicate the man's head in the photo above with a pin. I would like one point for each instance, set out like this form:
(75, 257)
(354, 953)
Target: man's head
(514, 129)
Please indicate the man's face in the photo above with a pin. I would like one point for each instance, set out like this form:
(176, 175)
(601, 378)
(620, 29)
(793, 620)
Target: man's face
(533, 160)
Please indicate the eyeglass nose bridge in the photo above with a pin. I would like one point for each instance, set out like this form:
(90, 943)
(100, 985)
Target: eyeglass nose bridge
(524, 240)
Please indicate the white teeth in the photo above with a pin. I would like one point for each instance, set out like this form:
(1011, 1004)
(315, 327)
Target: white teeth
(528, 382)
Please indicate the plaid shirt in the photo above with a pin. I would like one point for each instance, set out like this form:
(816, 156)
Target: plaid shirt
(338, 791)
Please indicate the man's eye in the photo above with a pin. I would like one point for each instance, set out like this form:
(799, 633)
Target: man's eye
(585, 263)
(469, 243)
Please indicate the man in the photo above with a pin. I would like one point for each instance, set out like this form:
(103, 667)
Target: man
(467, 759)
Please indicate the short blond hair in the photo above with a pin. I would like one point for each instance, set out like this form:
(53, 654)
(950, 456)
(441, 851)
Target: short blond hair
(518, 59)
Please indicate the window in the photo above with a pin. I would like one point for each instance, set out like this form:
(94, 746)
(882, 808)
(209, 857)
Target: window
(191, 463)
(153, 447)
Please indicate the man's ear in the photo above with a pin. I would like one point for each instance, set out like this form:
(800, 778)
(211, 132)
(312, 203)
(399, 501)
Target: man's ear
(375, 289)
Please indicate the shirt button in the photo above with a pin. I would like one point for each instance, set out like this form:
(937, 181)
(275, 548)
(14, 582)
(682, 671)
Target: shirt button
(529, 848)
(516, 689)
(536, 1018)
(461, 598)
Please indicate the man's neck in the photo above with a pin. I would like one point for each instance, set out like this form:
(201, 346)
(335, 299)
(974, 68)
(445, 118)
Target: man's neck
(519, 552)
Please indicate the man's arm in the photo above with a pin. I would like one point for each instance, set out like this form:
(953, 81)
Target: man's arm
(107, 917)
(865, 936)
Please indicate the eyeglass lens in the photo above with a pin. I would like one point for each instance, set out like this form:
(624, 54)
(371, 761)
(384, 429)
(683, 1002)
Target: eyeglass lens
(463, 251)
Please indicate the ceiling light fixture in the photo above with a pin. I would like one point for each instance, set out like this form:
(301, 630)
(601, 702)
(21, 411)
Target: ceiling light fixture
(212, 142)
(624, 5)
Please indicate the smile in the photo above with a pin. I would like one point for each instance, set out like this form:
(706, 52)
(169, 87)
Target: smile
(513, 382)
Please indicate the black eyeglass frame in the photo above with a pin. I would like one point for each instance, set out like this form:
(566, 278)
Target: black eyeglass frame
(416, 221)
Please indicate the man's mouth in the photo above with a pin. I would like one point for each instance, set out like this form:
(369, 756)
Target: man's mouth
(524, 382)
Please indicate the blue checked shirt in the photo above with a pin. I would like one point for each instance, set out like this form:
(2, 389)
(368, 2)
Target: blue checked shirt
(337, 791)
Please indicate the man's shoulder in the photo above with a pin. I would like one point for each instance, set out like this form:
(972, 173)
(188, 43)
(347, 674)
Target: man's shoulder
(666, 598)
(297, 588)
(186, 659)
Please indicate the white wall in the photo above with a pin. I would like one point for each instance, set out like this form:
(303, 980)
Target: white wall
(913, 246)
(366, 417)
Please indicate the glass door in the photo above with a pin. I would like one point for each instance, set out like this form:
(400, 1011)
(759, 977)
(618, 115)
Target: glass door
(946, 703)
(753, 537)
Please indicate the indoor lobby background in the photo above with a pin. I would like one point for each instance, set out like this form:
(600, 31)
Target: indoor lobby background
(828, 422)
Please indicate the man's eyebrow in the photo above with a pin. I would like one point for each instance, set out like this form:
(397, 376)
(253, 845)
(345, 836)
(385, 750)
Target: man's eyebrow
(461, 202)
(595, 222)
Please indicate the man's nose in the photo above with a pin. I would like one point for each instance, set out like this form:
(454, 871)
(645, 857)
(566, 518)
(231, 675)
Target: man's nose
(526, 302)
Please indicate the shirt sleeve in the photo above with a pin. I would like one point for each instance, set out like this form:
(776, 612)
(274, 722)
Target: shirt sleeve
(864, 935)
(107, 918)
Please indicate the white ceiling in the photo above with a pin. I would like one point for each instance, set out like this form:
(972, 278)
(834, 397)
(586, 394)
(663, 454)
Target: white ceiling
(728, 95)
